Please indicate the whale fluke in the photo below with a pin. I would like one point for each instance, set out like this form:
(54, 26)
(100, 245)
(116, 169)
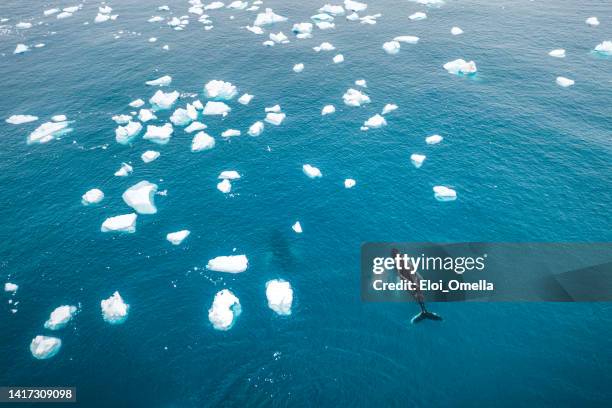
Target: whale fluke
(425, 315)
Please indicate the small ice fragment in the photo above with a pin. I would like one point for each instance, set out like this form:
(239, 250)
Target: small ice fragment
(592, 21)
(325, 46)
(279, 38)
(391, 47)
(114, 309)
(202, 141)
(137, 103)
(297, 227)
(216, 108)
(433, 139)
(408, 39)
(141, 197)
(267, 18)
(43, 347)
(23, 25)
(225, 186)
(230, 133)
(124, 170)
(60, 317)
(418, 16)
(224, 310)
(63, 14)
(558, 53)
(162, 81)
(311, 171)
(10, 287)
(390, 107)
(163, 100)
(59, 118)
(328, 109)
(245, 99)
(325, 25)
(297, 68)
(176, 238)
(564, 82)
(355, 98)
(333, 10)
(338, 59)
(604, 48)
(280, 296)
(229, 175)
(220, 90)
(302, 28)
(19, 119)
(256, 128)
(194, 127)
(349, 183)
(255, 30)
(120, 119)
(442, 193)
(362, 83)
(21, 48)
(375, 121)
(120, 223)
(159, 134)
(101, 18)
(228, 264)
(355, 5)
(456, 31)
(461, 67)
(125, 134)
(50, 12)
(214, 5)
(275, 118)
(275, 109)
(417, 159)
(149, 156)
(93, 196)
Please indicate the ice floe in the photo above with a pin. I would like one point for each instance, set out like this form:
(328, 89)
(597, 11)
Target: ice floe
(374, 122)
(216, 108)
(417, 16)
(325, 46)
(114, 309)
(20, 119)
(181, 117)
(297, 68)
(338, 59)
(245, 99)
(332, 9)
(297, 227)
(230, 133)
(456, 31)
(120, 223)
(417, 159)
(176, 238)
(118, 119)
(21, 48)
(433, 139)
(302, 30)
(224, 186)
(362, 83)
(604, 48)
(228, 264)
(124, 171)
(280, 296)
(202, 141)
(442, 193)
(275, 118)
(159, 134)
(137, 103)
(60, 317)
(349, 183)
(391, 47)
(125, 134)
(43, 347)
(50, 12)
(592, 21)
(460, 67)
(557, 53)
(149, 156)
(407, 39)
(268, 17)
(354, 5)
(390, 107)
(220, 90)
(161, 81)
(279, 38)
(10, 287)
(353, 97)
(256, 128)
(224, 310)
(194, 127)
(311, 171)
(229, 175)
(47, 132)
(93, 196)
(161, 100)
(564, 82)
(328, 109)
(141, 197)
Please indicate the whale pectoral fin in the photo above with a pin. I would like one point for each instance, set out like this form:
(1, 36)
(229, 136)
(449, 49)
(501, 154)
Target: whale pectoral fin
(425, 315)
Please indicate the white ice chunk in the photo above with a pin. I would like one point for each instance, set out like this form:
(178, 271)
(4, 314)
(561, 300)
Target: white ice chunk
(460, 67)
(216, 108)
(43, 347)
(225, 186)
(322, 17)
(338, 59)
(118, 119)
(214, 5)
(161, 81)
(456, 31)
(220, 90)
(120, 223)
(149, 156)
(417, 159)
(10, 287)
(101, 18)
(280, 296)
(604, 48)
(195, 126)
(279, 38)
(417, 16)
(558, 53)
(255, 30)
(63, 15)
(114, 309)
(276, 108)
(311, 171)
(353, 97)
(391, 47)
(332, 9)
(229, 264)
(180, 117)
(564, 82)
(390, 107)
(60, 317)
(47, 132)
(245, 99)
(442, 193)
(328, 109)
(408, 39)
(125, 134)
(355, 5)
(375, 121)
(229, 175)
(19, 119)
(93, 196)
(146, 115)
(202, 141)
(302, 28)
(124, 170)
(349, 183)
(238, 5)
(176, 238)
(592, 21)
(163, 100)
(268, 17)
(224, 310)
(159, 134)
(137, 103)
(362, 83)
(141, 197)
(59, 118)
(275, 118)
(21, 48)
(353, 17)
(297, 68)
(297, 227)
(230, 133)
(50, 12)
(433, 139)
(325, 46)
(256, 128)
(325, 25)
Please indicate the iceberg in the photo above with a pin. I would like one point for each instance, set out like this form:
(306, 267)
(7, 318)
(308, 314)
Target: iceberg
(279, 38)
(59, 118)
(267, 18)
(228, 264)
(118, 119)
(194, 127)
(47, 132)
(408, 39)
(60, 317)
(353, 17)
(238, 5)
(311, 171)
(355, 98)
(417, 159)
(224, 310)
(460, 67)
(124, 170)
(159, 134)
(230, 133)
(297, 227)
(338, 59)
(456, 31)
(229, 175)
(137, 103)
(280, 296)
(202, 141)
(417, 16)
(216, 108)
(328, 109)
(149, 156)
(604, 48)
(255, 30)
(297, 68)
(141, 197)
(162, 81)
(391, 47)
(302, 28)
(125, 134)
(214, 5)
(333, 10)
(349, 183)
(10, 287)
(275, 118)
(114, 309)
(225, 186)
(120, 223)
(362, 83)
(220, 90)
(63, 15)
(181, 117)
(375, 122)
(325, 46)
(21, 48)
(564, 82)
(322, 17)
(256, 128)
(275, 109)
(43, 347)
(592, 21)
(245, 99)
(93, 196)
(558, 53)
(442, 193)
(355, 5)
(433, 139)
(176, 238)
(390, 107)
(325, 25)
(161, 100)
(19, 119)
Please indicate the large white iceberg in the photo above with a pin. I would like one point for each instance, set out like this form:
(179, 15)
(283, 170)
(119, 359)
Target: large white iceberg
(159, 134)
(19, 119)
(442, 193)
(311, 171)
(268, 17)
(161, 81)
(141, 197)
(280, 296)
(43, 347)
(220, 90)
(461, 67)
(125, 134)
(353, 97)
(93, 196)
(60, 317)
(176, 238)
(114, 309)
(120, 223)
(216, 108)
(48, 131)
(202, 141)
(229, 264)
(224, 310)
(162, 100)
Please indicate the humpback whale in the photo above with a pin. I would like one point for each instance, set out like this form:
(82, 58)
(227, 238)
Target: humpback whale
(417, 294)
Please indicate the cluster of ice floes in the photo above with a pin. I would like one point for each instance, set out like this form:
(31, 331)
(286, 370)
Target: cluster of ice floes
(104, 14)
(46, 132)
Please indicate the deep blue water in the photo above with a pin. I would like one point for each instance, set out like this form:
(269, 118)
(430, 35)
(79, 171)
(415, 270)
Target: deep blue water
(531, 161)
